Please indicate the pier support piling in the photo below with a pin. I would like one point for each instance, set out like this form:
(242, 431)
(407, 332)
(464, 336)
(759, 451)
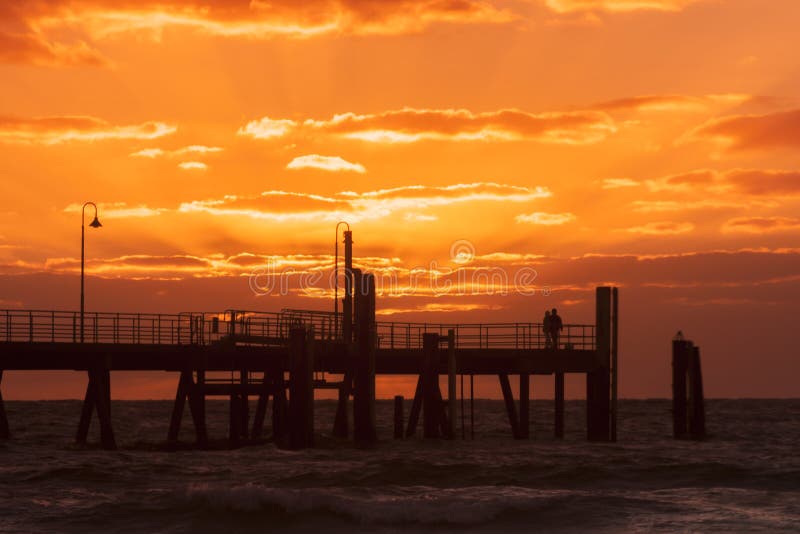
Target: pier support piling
(452, 399)
(4, 431)
(416, 408)
(364, 425)
(559, 405)
(398, 417)
(97, 398)
(301, 390)
(508, 397)
(431, 408)
(598, 386)
(524, 406)
(261, 409)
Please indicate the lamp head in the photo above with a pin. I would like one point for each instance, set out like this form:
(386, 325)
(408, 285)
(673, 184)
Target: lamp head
(95, 223)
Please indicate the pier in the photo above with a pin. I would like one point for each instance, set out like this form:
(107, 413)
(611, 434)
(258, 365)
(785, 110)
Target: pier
(281, 358)
(274, 357)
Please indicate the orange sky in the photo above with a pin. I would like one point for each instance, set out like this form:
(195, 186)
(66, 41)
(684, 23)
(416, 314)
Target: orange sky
(647, 143)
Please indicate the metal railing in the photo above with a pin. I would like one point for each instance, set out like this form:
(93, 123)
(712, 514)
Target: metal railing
(264, 328)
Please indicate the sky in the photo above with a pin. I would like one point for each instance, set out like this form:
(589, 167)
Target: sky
(493, 159)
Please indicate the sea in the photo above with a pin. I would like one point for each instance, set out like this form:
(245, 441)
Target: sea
(744, 478)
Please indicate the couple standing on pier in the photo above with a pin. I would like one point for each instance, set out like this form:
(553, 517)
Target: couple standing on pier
(552, 327)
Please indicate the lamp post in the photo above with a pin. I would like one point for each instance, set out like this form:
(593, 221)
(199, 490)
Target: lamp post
(336, 277)
(94, 224)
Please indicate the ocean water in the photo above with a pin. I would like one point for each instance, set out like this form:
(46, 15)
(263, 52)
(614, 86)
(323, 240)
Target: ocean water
(745, 477)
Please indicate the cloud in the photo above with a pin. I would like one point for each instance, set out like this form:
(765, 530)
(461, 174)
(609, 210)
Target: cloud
(764, 182)
(662, 228)
(660, 206)
(153, 153)
(673, 103)
(325, 163)
(267, 128)
(62, 129)
(284, 206)
(751, 132)
(411, 125)
(737, 182)
(420, 217)
(34, 32)
(23, 42)
(615, 6)
(545, 219)
(118, 210)
(193, 165)
(760, 225)
(619, 183)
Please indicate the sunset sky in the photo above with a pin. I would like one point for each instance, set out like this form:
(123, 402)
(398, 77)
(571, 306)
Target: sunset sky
(650, 144)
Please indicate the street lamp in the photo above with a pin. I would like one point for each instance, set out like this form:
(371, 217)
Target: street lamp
(94, 224)
(336, 277)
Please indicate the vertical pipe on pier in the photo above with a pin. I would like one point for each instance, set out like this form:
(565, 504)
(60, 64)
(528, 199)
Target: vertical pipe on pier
(341, 424)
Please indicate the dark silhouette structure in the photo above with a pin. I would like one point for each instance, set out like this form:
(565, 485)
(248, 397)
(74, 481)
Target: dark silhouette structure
(688, 404)
(281, 358)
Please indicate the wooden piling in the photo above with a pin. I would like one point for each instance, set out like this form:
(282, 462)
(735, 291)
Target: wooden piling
(234, 421)
(416, 408)
(364, 425)
(614, 359)
(697, 413)
(177, 408)
(196, 395)
(97, 398)
(398, 417)
(511, 409)
(301, 390)
(4, 430)
(524, 406)
(559, 405)
(261, 409)
(598, 387)
(280, 414)
(244, 405)
(680, 364)
(430, 385)
(452, 398)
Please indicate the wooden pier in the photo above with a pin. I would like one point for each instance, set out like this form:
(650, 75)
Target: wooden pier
(277, 357)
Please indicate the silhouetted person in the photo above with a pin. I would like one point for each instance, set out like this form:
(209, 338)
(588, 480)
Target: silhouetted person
(556, 326)
(546, 328)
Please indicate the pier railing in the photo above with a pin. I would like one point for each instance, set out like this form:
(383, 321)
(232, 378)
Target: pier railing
(203, 328)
